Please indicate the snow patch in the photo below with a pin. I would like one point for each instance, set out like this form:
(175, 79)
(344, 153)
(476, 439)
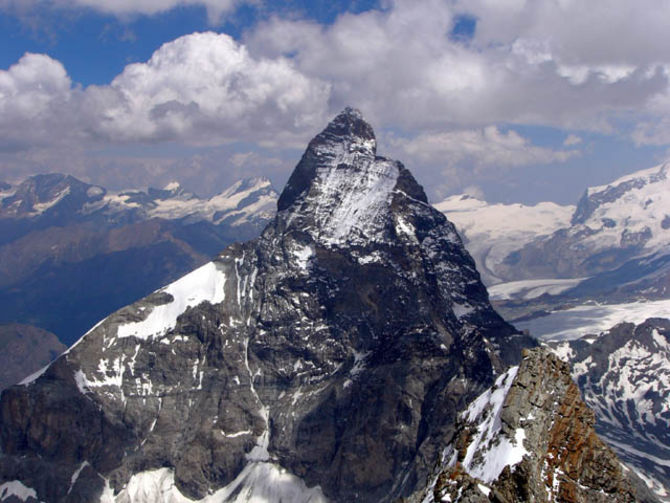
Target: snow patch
(205, 284)
(39, 208)
(34, 376)
(75, 475)
(406, 228)
(17, 489)
(95, 191)
(564, 351)
(490, 451)
(302, 255)
(172, 186)
(461, 310)
(81, 381)
(257, 483)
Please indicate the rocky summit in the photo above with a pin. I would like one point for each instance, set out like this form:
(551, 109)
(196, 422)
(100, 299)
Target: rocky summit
(326, 360)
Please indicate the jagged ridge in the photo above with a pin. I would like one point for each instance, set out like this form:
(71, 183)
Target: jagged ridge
(532, 438)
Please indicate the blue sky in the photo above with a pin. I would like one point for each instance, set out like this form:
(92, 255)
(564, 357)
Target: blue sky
(509, 100)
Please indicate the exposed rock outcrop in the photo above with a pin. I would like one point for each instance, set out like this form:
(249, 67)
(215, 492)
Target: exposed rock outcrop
(531, 438)
(624, 376)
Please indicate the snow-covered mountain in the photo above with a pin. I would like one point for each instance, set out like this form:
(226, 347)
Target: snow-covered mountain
(624, 376)
(614, 245)
(246, 201)
(101, 250)
(325, 360)
(63, 197)
(619, 235)
(491, 232)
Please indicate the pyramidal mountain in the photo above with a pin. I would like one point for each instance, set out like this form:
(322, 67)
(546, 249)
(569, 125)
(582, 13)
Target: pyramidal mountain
(330, 359)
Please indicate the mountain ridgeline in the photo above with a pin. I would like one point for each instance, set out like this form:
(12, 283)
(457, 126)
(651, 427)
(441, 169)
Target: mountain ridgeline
(72, 252)
(329, 359)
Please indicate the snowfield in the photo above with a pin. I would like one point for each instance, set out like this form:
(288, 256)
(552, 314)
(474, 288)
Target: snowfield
(592, 319)
(204, 284)
(493, 231)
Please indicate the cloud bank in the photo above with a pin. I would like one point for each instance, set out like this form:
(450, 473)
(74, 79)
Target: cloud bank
(203, 88)
(577, 66)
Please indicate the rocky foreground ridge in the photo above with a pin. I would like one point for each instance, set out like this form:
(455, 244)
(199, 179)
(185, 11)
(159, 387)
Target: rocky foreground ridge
(328, 360)
(624, 376)
(532, 438)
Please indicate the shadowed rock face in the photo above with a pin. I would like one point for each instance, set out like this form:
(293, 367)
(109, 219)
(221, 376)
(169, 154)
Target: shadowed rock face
(339, 346)
(25, 349)
(548, 438)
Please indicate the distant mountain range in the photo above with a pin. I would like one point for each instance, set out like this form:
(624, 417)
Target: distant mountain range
(60, 236)
(492, 232)
(612, 247)
(72, 252)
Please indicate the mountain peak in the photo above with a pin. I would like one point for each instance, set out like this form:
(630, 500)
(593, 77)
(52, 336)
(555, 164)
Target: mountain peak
(350, 125)
(173, 186)
(343, 193)
(347, 140)
(47, 193)
(331, 354)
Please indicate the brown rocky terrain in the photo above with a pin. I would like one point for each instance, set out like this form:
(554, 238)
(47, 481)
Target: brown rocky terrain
(554, 452)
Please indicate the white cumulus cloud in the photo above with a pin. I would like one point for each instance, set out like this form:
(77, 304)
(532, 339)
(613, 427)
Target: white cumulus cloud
(205, 88)
(37, 102)
(202, 88)
(523, 65)
(601, 65)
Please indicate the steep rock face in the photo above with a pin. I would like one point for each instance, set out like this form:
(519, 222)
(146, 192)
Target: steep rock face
(325, 360)
(624, 375)
(531, 439)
